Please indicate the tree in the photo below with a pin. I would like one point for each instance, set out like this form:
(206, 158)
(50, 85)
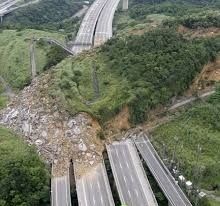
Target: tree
(24, 178)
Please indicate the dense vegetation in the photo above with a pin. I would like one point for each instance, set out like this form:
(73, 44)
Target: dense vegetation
(159, 61)
(138, 71)
(192, 14)
(55, 55)
(43, 15)
(203, 19)
(198, 126)
(24, 179)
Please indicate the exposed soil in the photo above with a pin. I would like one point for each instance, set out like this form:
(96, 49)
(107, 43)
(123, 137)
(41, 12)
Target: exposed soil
(57, 137)
(119, 124)
(208, 76)
(138, 32)
(60, 138)
(200, 32)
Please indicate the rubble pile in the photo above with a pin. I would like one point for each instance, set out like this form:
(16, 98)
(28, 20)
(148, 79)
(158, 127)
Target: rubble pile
(58, 137)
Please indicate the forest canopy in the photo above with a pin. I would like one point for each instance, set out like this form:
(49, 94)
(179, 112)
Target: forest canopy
(158, 65)
(24, 178)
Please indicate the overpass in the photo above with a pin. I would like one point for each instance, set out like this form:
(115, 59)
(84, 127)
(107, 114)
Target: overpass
(5, 6)
(131, 181)
(87, 28)
(93, 188)
(54, 41)
(9, 6)
(165, 180)
(60, 191)
(104, 25)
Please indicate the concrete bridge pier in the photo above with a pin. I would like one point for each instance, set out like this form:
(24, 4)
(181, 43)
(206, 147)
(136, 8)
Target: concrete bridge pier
(124, 5)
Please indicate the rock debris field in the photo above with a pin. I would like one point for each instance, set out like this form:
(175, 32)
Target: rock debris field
(57, 137)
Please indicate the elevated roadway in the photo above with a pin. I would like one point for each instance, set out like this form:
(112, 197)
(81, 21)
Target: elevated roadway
(104, 25)
(171, 189)
(93, 189)
(60, 191)
(5, 6)
(54, 41)
(84, 38)
(131, 181)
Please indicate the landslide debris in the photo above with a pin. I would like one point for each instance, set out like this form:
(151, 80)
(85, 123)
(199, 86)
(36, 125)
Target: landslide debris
(57, 136)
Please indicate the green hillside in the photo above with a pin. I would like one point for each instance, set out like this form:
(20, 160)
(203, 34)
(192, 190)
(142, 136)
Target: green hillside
(200, 125)
(140, 72)
(15, 58)
(24, 178)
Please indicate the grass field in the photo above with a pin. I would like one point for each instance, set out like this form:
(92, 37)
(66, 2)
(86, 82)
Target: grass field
(78, 70)
(14, 55)
(214, 203)
(198, 126)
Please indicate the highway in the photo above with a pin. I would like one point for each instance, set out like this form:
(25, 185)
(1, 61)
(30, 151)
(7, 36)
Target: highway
(131, 181)
(60, 191)
(104, 25)
(4, 7)
(9, 6)
(84, 38)
(93, 188)
(171, 189)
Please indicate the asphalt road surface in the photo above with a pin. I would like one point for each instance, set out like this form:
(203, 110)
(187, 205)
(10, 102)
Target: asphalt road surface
(104, 25)
(131, 181)
(93, 188)
(164, 178)
(84, 38)
(60, 191)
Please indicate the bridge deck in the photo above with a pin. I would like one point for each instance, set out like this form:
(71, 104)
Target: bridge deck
(104, 25)
(171, 189)
(87, 27)
(131, 181)
(93, 189)
(60, 191)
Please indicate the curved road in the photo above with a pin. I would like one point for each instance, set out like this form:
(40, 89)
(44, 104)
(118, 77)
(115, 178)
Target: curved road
(84, 38)
(104, 26)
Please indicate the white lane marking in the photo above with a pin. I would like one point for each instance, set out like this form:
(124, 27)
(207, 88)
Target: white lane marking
(132, 179)
(56, 192)
(125, 179)
(102, 200)
(136, 192)
(145, 142)
(93, 194)
(66, 183)
(84, 191)
(129, 193)
(93, 199)
(127, 165)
